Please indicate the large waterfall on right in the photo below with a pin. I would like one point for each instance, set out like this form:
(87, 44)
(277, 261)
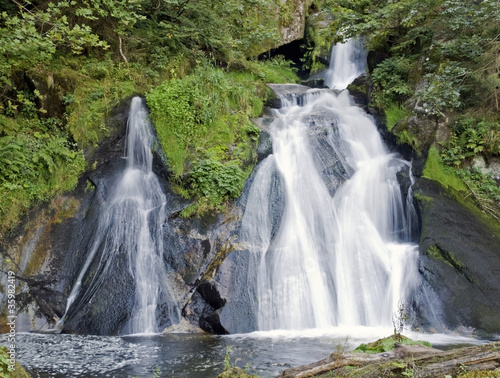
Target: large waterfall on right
(335, 249)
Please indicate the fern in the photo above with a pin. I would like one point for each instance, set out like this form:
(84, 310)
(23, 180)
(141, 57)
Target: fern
(12, 158)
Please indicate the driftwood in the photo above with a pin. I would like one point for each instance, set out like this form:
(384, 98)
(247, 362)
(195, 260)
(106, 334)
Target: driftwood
(405, 360)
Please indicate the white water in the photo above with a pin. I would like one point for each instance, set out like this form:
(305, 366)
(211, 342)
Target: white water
(347, 62)
(341, 260)
(131, 223)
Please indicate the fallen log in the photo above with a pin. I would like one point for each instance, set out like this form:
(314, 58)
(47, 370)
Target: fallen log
(405, 360)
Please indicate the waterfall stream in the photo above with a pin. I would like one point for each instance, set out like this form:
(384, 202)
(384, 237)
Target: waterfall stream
(130, 227)
(340, 253)
(347, 62)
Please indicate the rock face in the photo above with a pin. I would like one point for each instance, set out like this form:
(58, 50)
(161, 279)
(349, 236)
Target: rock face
(294, 21)
(46, 251)
(460, 258)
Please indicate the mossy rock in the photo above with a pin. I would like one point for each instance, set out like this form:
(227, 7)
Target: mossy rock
(388, 343)
(234, 372)
(17, 372)
(459, 258)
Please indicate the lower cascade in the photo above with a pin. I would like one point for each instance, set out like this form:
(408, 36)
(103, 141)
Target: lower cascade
(129, 229)
(339, 253)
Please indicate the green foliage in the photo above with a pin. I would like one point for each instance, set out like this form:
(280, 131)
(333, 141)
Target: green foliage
(435, 170)
(391, 79)
(484, 190)
(34, 166)
(99, 85)
(442, 89)
(407, 137)
(217, 181)
(471, 137)
(231, 371)
(5, 366)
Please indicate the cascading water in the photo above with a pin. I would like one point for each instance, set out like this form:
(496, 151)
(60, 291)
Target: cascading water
(347, 62)
(131, 224)
(340, 253)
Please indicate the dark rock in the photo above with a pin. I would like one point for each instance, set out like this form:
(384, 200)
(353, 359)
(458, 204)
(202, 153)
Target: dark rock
(273, 102)
(315, 83)
(234, 282)
(265, 146)
(422, 129)
(211, 296)
(460, 258)
(51, 303)
(358, 91)
(51, 93)
(210, 322)
(376, 57)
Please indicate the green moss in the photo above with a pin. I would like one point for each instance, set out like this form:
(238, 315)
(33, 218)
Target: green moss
(387, 344)
(99, 86)
(435, 170)
(435, 252)
(393, 114)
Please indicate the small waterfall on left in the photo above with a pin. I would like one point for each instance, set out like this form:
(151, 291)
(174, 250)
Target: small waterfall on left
(130, 227)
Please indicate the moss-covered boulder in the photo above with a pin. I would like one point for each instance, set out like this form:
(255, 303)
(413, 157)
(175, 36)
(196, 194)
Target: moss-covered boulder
(388, 343)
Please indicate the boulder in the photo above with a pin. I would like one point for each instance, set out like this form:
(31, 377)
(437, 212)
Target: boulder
(460, 258)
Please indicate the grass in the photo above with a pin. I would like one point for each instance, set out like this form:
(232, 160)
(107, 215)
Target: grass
(204, 120)
(393, 114)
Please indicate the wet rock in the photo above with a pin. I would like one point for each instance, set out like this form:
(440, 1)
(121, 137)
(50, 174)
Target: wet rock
(423, 131)
(315, 83)
(359, 92)
(210, 322)
(460, 258)
(265, 146)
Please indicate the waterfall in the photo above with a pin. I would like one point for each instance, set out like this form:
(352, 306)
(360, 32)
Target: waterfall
(130, 226)
(340, 253)
(347, 62)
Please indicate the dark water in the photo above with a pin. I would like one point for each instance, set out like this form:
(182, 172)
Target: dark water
(173, 355)
(266, 354)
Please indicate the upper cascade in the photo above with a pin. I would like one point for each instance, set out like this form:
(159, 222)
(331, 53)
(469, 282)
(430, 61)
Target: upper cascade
(347, 62)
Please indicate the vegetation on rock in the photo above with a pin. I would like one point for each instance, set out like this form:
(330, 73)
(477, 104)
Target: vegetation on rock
(6, 369)
(388, 343)
(64, 65)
